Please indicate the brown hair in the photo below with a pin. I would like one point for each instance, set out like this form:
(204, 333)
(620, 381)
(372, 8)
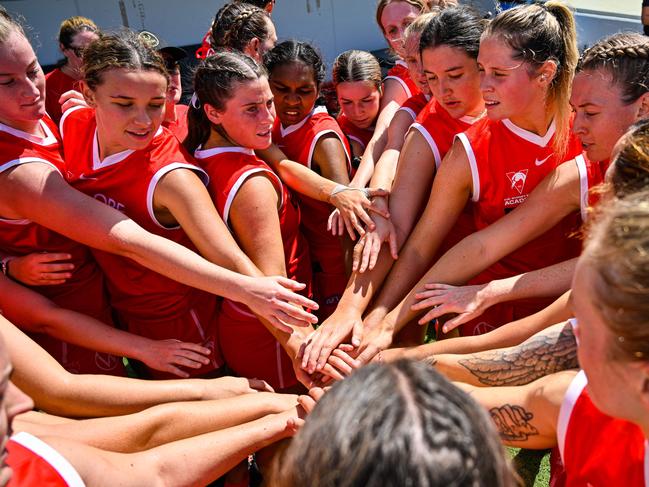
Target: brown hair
(631, 164)
(617, 248)
(236, 24)
(72, 26)
(390, 425)
(625, 57)
(215, 80)
(539, 33)
(356, 65)
(414, 30)
(421, 5)
(125, 50)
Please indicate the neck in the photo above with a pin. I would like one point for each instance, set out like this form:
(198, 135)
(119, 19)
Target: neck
(219, 138)
(71, 72)
(31, 127)
(536, 121)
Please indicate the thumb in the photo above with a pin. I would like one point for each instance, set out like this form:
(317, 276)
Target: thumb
(290, 283)
(357, 333)
(377, 192)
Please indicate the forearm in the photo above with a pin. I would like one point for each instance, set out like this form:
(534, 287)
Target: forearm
(385, 169)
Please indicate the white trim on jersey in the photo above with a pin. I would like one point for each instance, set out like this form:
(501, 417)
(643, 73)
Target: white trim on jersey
(569, 400)
(49, 138)
(237, 185)
(215, 151)
(284, 131)
(57, 461)
(156, 178)
(529, 136)
(409, 111)
(401, 62)
(315, 141)
(403, 84)
(110, 160)
(471, 120)
(583, 186)
(25, 160)
(646, 462)
(431, 142)
(473, 165)
(357, 140)
(65, 116)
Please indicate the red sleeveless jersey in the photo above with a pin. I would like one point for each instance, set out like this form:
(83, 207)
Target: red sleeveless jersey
(179, 126)
(35, 463)
(597, 449)
(359, 135)
(298, 142)
(228, 168)
(57, 83)
(415, 104)
(591, 174)
(84, 292)
(399, 72)
(507, 163)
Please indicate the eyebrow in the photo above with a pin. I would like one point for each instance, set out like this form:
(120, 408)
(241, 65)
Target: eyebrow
(31, 65)
(452, 69)
(124, 97)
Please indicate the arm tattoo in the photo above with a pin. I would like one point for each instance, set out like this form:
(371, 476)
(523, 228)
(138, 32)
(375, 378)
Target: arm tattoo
(546, 353)
(513, 422)
(432, 361)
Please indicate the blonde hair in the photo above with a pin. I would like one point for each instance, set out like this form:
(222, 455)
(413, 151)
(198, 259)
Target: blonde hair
(421, 5)
(8, 25)
(72, 26)
(539, 33)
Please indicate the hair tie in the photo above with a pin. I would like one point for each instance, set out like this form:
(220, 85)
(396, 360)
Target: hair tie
(195, 102)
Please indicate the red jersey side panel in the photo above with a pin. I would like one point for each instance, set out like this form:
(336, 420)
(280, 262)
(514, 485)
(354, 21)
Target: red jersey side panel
(359, 135)
(507, 163)
(298, 143)
(597, 449)
(179, 126)
(35, 463)
(84, 292)
(399, 72)
(57, 83)
(591, 174)
(415, 104)
(148, 303)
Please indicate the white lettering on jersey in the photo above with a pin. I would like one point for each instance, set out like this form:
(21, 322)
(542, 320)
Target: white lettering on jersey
(110, 202)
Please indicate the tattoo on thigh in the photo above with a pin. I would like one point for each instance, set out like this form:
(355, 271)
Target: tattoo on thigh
(513, 422)
(537, 357)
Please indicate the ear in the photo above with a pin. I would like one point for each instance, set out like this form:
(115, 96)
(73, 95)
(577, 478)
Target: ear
(547, 72)
(88, 95)
(252, 48)
(643, 108)
(212, 114)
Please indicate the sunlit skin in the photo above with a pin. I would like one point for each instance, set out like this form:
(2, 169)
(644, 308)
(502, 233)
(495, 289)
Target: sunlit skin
(129, 108)
(295, 90)
(413, 60)
(247, 118)
(601, 117)
(80, 40)
(21, 81)
(615, 383)
(454, 80)
(510, 90)
(359, 101)
(12, 403)
(396, 16)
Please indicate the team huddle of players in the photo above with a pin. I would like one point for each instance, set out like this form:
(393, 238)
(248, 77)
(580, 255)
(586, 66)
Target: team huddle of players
(488, 191)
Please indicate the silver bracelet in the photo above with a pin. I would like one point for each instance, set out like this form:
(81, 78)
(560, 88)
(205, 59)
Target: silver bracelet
(339, 188)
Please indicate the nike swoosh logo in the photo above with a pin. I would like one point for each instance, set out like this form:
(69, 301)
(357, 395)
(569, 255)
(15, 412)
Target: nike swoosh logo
(540, 163)
(83, 177)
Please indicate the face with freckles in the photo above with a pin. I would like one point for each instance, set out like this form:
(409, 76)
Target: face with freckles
(129, 108)
(601, 115)
(359, 101)
(22, 83)
(413, 60)
(395, 17)
(248, 115)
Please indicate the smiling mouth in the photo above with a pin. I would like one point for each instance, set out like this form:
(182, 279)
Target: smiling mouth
(266, 133)
(491, 104)
(139, 135)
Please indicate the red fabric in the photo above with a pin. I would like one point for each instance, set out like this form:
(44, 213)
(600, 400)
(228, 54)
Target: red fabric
(57, 83)
(362, 136)
(439, 129)
(400, 73)
(179, 126)
(591, 174)
(602, 450)
(415, 104)
(29, 468)
(509, 163)
(249, 348)
(298, 143)
(148, 303)
(84, 292)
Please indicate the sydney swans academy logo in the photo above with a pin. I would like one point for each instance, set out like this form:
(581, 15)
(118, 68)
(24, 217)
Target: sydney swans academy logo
(517, 181)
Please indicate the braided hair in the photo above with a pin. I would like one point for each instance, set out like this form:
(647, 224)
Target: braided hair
(215, 80)
(291, 51)
(236, 24)
(625, 57)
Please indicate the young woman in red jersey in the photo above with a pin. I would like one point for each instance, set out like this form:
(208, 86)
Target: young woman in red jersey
(393, 17)
(450, 46)
(357, 80)
(33, 190)
(307, 134)
(232, 116)
(526, 96)
(75, 34)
